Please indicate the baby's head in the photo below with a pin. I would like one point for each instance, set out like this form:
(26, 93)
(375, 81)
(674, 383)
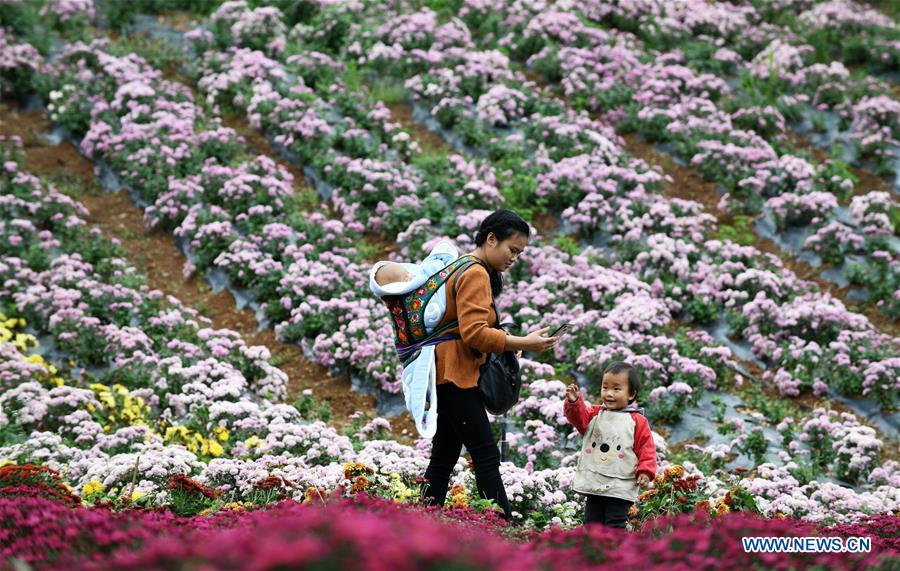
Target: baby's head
(392, 272)
(619, 385)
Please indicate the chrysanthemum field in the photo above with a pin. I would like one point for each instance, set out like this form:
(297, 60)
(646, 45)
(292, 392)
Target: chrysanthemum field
(194, 373)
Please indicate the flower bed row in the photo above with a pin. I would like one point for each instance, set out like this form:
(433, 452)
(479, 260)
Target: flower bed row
(364, 534)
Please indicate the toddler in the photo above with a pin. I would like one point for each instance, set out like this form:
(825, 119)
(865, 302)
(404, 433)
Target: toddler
(618, 453)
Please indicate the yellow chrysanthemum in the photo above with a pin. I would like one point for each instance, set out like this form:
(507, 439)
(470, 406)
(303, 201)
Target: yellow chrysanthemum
(252, 441)
(673, 472)
(24, 341)
(221, 433)
(215, 449)
(174, 432)
(459, 499)
(137, 494)
(93, 487)
(722, 508)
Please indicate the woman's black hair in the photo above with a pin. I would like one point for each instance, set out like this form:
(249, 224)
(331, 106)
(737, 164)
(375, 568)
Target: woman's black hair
(634, 379)
(503, 224)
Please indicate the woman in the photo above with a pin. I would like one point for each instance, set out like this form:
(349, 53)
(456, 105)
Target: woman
(462, 419)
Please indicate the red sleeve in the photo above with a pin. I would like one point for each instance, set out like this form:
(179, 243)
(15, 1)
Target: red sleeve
(644, 448)
(580, 414)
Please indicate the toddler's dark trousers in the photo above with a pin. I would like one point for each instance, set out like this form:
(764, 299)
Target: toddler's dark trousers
(612, 512)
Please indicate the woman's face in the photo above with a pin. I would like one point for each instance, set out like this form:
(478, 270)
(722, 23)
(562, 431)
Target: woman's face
(502, 255)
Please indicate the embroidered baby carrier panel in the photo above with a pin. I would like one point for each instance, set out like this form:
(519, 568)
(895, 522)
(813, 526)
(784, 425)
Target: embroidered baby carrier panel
(607, 463)
(408, 313)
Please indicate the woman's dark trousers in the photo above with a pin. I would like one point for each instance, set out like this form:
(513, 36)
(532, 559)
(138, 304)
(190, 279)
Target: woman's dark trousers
(462, 420)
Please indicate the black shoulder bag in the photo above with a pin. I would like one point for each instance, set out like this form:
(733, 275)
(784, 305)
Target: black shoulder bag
(500, 381)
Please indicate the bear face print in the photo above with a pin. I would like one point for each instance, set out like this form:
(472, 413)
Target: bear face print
(604, 450)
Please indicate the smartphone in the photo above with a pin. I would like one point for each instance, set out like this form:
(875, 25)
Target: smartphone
(559, 330)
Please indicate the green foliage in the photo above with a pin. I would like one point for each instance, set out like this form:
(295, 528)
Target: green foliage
(520, 193)
(118, 13)
(740, 231)
(834, 172)
(352, 77)
(186, 503)
(775, 409)
(11, 434)
(159, 53)
(702, 309)
(719, 409)
(388, 92)
(727, 428)
(755, 446)
(804, 471)
(702, 460)
(736, 321)
(567, 244)
(295, 11)
(881, 278)
(669, 408)
(23, 19)
(700, 56)
(549, 67)
(311, 410)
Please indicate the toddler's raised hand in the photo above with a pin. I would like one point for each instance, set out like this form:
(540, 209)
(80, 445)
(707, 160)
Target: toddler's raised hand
(572, 393)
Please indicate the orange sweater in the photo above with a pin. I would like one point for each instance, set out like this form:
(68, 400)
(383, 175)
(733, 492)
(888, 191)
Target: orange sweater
(456, 361)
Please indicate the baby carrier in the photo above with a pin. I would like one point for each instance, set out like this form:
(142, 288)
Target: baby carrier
(407, 314)
(415, 344)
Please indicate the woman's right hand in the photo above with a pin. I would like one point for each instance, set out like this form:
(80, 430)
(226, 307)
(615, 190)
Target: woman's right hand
(535, 342)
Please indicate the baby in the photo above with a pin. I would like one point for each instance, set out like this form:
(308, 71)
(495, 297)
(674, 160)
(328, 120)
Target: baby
(391, 273)
(618, 453)
(394, 278)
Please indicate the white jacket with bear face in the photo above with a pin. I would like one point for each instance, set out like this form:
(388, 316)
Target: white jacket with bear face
(607, 463)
